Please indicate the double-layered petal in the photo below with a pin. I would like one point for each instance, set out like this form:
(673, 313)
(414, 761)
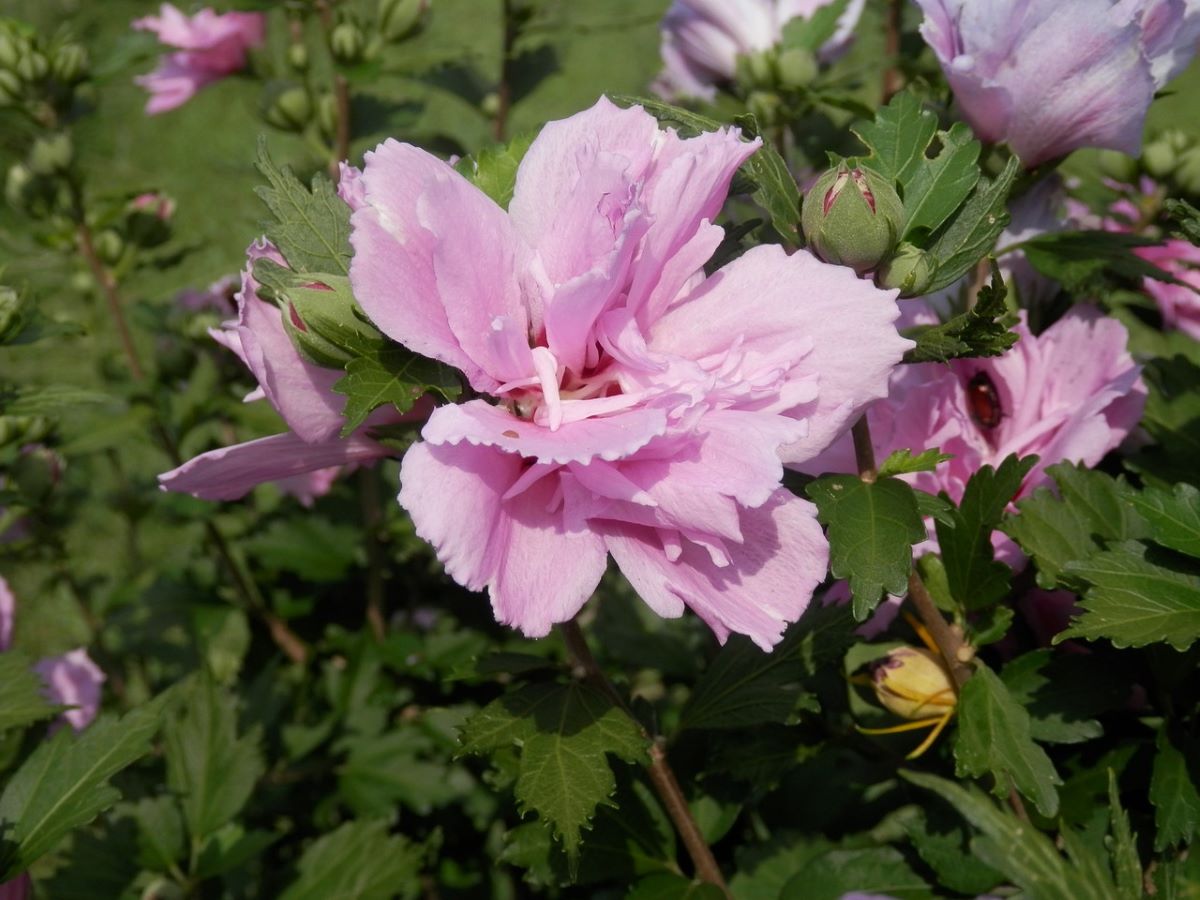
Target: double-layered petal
(1051, 76)
(637, 409)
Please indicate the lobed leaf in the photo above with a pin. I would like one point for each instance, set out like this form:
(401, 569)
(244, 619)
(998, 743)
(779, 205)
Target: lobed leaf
(983, 330)
(1175, 789)
(358, 861)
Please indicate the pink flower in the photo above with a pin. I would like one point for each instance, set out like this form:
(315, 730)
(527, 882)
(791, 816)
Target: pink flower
(1051, 76)
(73, 680)
(20, 888)
(210, 46)
(8, 612)
(304, 460)
(637, 408)
(1178, 303)
(155, 204)
(702, 39)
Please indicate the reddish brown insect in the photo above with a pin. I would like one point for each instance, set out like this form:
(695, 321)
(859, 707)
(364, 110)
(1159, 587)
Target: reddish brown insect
(984, 401)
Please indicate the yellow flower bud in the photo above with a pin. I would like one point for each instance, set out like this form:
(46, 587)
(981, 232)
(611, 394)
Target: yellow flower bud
(912, 683)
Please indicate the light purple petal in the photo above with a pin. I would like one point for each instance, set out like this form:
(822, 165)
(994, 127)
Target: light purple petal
(8, 614)
(73, 680)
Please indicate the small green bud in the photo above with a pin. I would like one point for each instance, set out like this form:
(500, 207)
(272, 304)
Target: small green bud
(297, 57)
(51, 154)
(797, 67)
(11, 317)
(1161, 155)
(1118, 166)
(909, 271)
(347, 42)
(33, 66)
(10, 50)
(17, 185)
(490, 104)
(852, 217)
(756, 69)
(70, 63)
(291, 110)
(765, 107)
(327, 114)
(399, 18)
(10, 88)
(109, 246)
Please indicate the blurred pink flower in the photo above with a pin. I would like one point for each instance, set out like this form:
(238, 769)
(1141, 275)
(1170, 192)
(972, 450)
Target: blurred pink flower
(306, 459)
(210, 46)
(8, 612)
(73, 680)
(20, 888)
(218, 296)
(702, 39)
(153, 203)
(637, 408)
(1178, 303)
(1051, 76)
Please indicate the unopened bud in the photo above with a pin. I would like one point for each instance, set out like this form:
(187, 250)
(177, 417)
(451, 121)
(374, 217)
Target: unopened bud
(912, 683)
(327, 114)
(10, 50)
(347, 42)
(1118, 166)
(852, 217)
(797, 67)
(10, 88)
(291, 110)
(297, 57)
(51, 154)
(36, 472)
(17, 185)
(1161, 155)
(756, 69)
(399, 18)
(33, 66)
(489, 105)
(70, 63)
(909, 271)
(109, 246)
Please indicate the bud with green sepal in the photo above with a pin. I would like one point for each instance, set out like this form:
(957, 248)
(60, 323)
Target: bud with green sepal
(756, 70)
(346, 42)
(852, 217)
(69, 63)
(910, 271)
(291, 109)
(1161, 155)
(297, 57)
(52, 154)
(798, 68)
(109, 246)
(400, 18)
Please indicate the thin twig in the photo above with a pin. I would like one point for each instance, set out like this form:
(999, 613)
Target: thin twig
(892, 80)
(504, 86)
(341, 97)
(662, 776)
(108, 286)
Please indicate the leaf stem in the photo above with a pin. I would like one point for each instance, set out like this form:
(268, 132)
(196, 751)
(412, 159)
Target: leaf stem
(662, 776)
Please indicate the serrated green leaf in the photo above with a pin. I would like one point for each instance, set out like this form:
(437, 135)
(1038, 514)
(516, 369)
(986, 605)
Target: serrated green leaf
(1132, 601)
(21, 693)
(230, 847)
(871, 528)
(901, 462)
(983, 330)
(1173, 517)
(1172, 419)
(48, 400)
(396, 376)
(358, 861)
(1083, 261)
(565, 733)
(994, 737)
(941, 184)
(211, 768)
(974, 578)
(872, 870)
(494, 169)
(744, 686)
(1187, 217)
(65, 783)
(897, 138)
(1175, 789)
(160, 832)
(1126, 865)
(943, 843)
(1055, 530)
(312, 225)
(972, 233)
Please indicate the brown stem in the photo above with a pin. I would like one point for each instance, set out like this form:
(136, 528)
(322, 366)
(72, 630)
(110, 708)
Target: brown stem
(341, 97)
(108, 286)
(892, 80)
(504, 87)
(666, 785)
(372, 517)
(864, 451)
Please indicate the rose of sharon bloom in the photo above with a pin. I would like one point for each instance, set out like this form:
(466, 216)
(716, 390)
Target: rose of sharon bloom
(636, 408)
(702, 39)
(306, 459)
(210, 46)
(1051, 76)
(73, 680)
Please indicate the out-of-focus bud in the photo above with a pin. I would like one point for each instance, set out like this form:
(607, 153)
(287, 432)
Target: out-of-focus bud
(327, 114)
(109, 246)
(347, 42)
(1118, 166)
(10, 50)
(489, 105)
(757, 69)
(33, 66)
(1187, 173)
(291, 110)
(36, 472)
(51, 154)
(148, 222)
(765, 106)
(10, 88)
(912, 683)
(10, 314)
(852, 217)
(1161, 155)
(70, 63)
(297, 57)
(908, 271)
(399, 18)
(797, 67)
(17, 185)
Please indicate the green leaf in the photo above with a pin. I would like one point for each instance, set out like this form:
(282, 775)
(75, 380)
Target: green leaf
(396, 376)
(1126, 864)
(48, 400)
(160, 835)
(871, 528)
(21, 693)
(565, 733)
(1173, 517)
(873, 870)
(898, 138)
(975, 579)
(1133, 601)
(811, 32)
(1013, 847)
(230, 847)
(669, 886)
(1175, 789)
(1062, 692)
(994, 737)
(213, 770)
(494, 169)
(943, 842)
(743, 686)
(358, 861)
(312, 226)
(383, 771)
(902, 462)
(1172, 419)
(1059, 529)
(942, 183)
(65, 783)
(1085, 261)
(774, 188)
(983, 330)
(1187, 217)
(972, 233)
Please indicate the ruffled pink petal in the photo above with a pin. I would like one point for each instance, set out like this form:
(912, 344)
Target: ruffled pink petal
(232, 472)
(767, 584)
(73, 680)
